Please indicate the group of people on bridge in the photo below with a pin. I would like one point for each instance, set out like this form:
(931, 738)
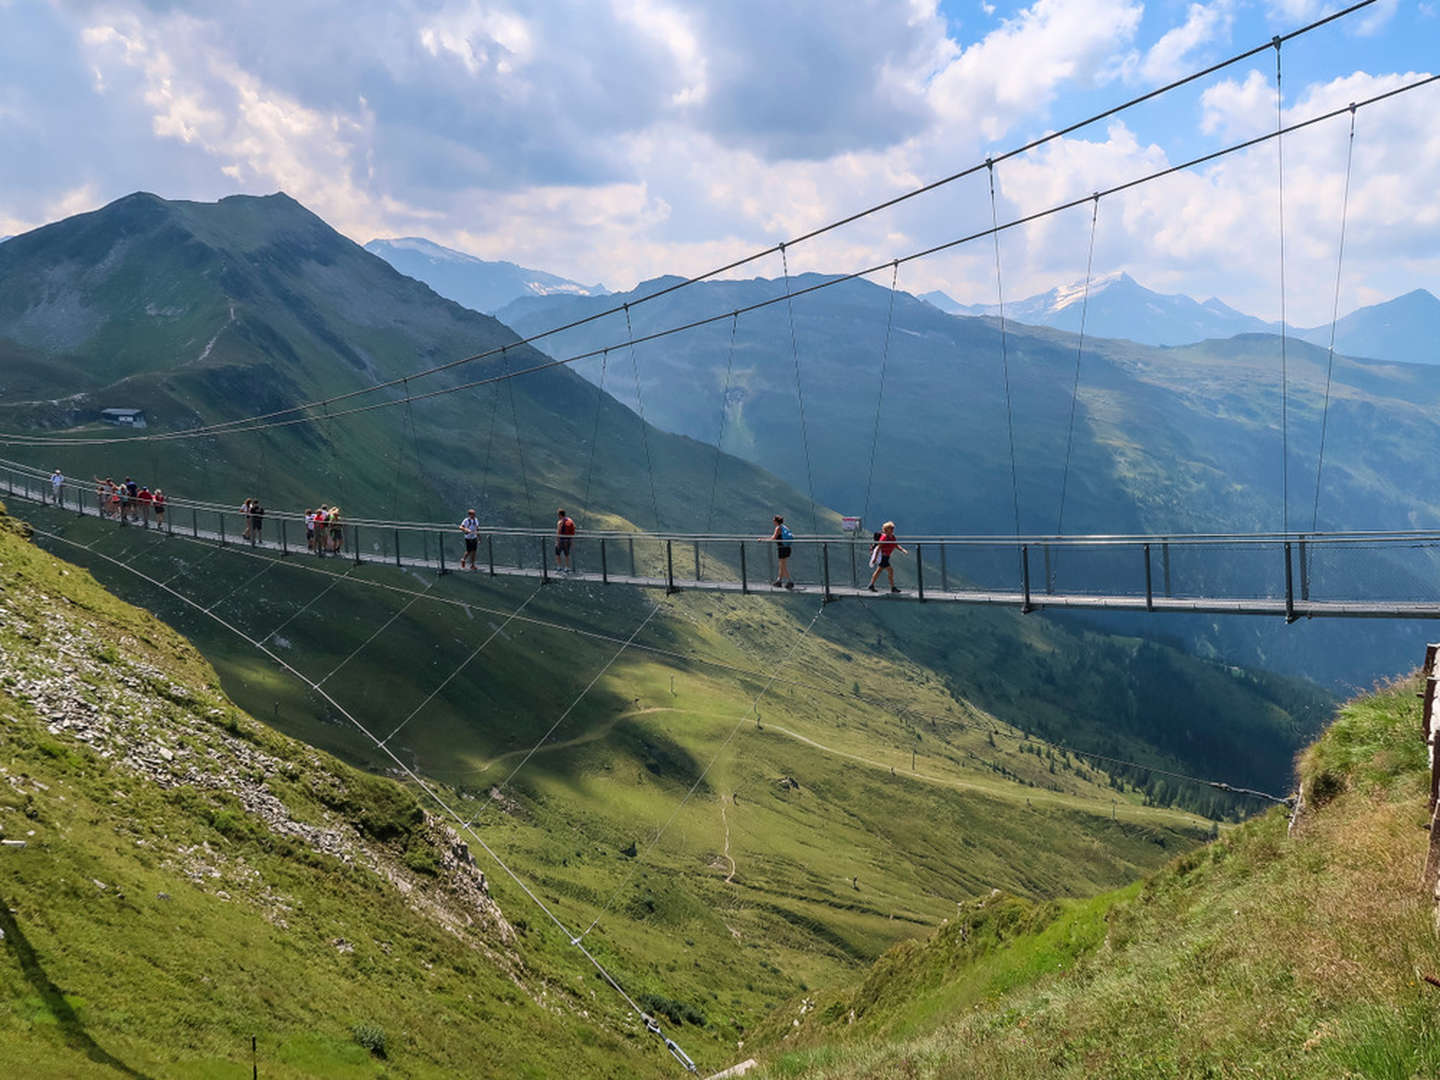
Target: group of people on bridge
(128, 502)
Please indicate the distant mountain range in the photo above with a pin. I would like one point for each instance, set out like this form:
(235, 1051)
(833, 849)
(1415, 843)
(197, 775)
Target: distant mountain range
(476, 283)
(1405, 329)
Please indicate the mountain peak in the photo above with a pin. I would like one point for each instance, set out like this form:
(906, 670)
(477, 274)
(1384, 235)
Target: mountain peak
(477, 283)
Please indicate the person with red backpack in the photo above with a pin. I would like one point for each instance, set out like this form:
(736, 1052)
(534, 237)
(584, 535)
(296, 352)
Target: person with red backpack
(564, 537)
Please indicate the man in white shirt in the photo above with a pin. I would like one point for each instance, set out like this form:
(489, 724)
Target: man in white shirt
(471, 528)
(57, 483)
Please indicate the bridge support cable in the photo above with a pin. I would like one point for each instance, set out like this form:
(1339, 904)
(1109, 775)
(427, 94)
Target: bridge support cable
(1004, 349)
(1334, 321)
(380, 630)
(741, 722)
(640, 407)
(497, 789)
(880, 396)
(799, 389)
(463, 664)
(244, 422)
(1075, 387)
(519, 442)
(430, 791)
(595, 428)
(489, 449)
(1284, 389)
(724, 414)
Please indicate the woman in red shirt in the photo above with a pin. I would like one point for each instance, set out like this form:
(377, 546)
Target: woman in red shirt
(885, 546)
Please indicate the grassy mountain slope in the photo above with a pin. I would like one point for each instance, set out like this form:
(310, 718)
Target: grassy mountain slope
(191, 878)
(1260, 955)
(306, 891)
(198, 312)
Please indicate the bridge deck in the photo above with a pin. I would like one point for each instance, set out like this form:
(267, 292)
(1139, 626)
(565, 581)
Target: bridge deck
(1274, 606)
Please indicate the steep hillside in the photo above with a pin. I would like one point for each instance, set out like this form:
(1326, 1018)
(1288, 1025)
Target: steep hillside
(1263, 954)
(199, 312)
(190, 879)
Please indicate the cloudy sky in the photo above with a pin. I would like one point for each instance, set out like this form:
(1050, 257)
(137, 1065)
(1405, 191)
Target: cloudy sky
(615, 140)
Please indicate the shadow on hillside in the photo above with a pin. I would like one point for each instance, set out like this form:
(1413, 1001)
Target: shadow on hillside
(75, 1034)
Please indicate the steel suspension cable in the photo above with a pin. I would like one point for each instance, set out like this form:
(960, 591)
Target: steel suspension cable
(650, 1023)
(1334, 321)
(644, 427)
(880, 396)
(595, 428)
(1079, 352)
(520, 445)
(1284, 389)
(463, 664)
(812, 234)
(724, 413)
(1004, 352)
(489, 444)
(11, 438)
(799, 390)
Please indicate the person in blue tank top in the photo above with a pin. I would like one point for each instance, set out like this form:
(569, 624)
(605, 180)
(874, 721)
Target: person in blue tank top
(782, 537)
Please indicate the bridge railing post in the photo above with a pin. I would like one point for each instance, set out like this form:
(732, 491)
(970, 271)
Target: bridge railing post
(544, 562)
(1304, 571)
(1289, 586)
(1026, 607)
(490, 552)
(669, 566)
(284, 539)
(440, 545)
(633, 571)
(397, 547)
(744, 577)
(825, 569)
(604, 564)
(1165, 565)
(1149, 589)
(697, 560)
(854, 567)
(920, 572)
(1049, 573)
(944, 570)
(220, 516)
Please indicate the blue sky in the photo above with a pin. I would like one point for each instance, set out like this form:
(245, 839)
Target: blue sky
(616, 140)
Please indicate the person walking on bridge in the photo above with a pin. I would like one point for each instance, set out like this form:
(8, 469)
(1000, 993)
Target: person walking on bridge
(782, 537)
(564, 538)
(886, 546)
(57, 484)
(471, 528)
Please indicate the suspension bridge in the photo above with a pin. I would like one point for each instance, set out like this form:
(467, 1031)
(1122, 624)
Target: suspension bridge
(1286, 575)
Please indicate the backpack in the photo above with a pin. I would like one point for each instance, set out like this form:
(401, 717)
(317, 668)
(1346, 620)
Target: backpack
(785, 533)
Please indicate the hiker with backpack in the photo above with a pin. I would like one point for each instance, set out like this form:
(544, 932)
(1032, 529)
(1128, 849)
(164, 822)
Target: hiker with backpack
(884, 546)
(470, 526)
(564, 538)
(782, 537)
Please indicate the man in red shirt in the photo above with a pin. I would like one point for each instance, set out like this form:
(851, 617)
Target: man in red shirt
(564, 537)
(146, 500)
(885, 546)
